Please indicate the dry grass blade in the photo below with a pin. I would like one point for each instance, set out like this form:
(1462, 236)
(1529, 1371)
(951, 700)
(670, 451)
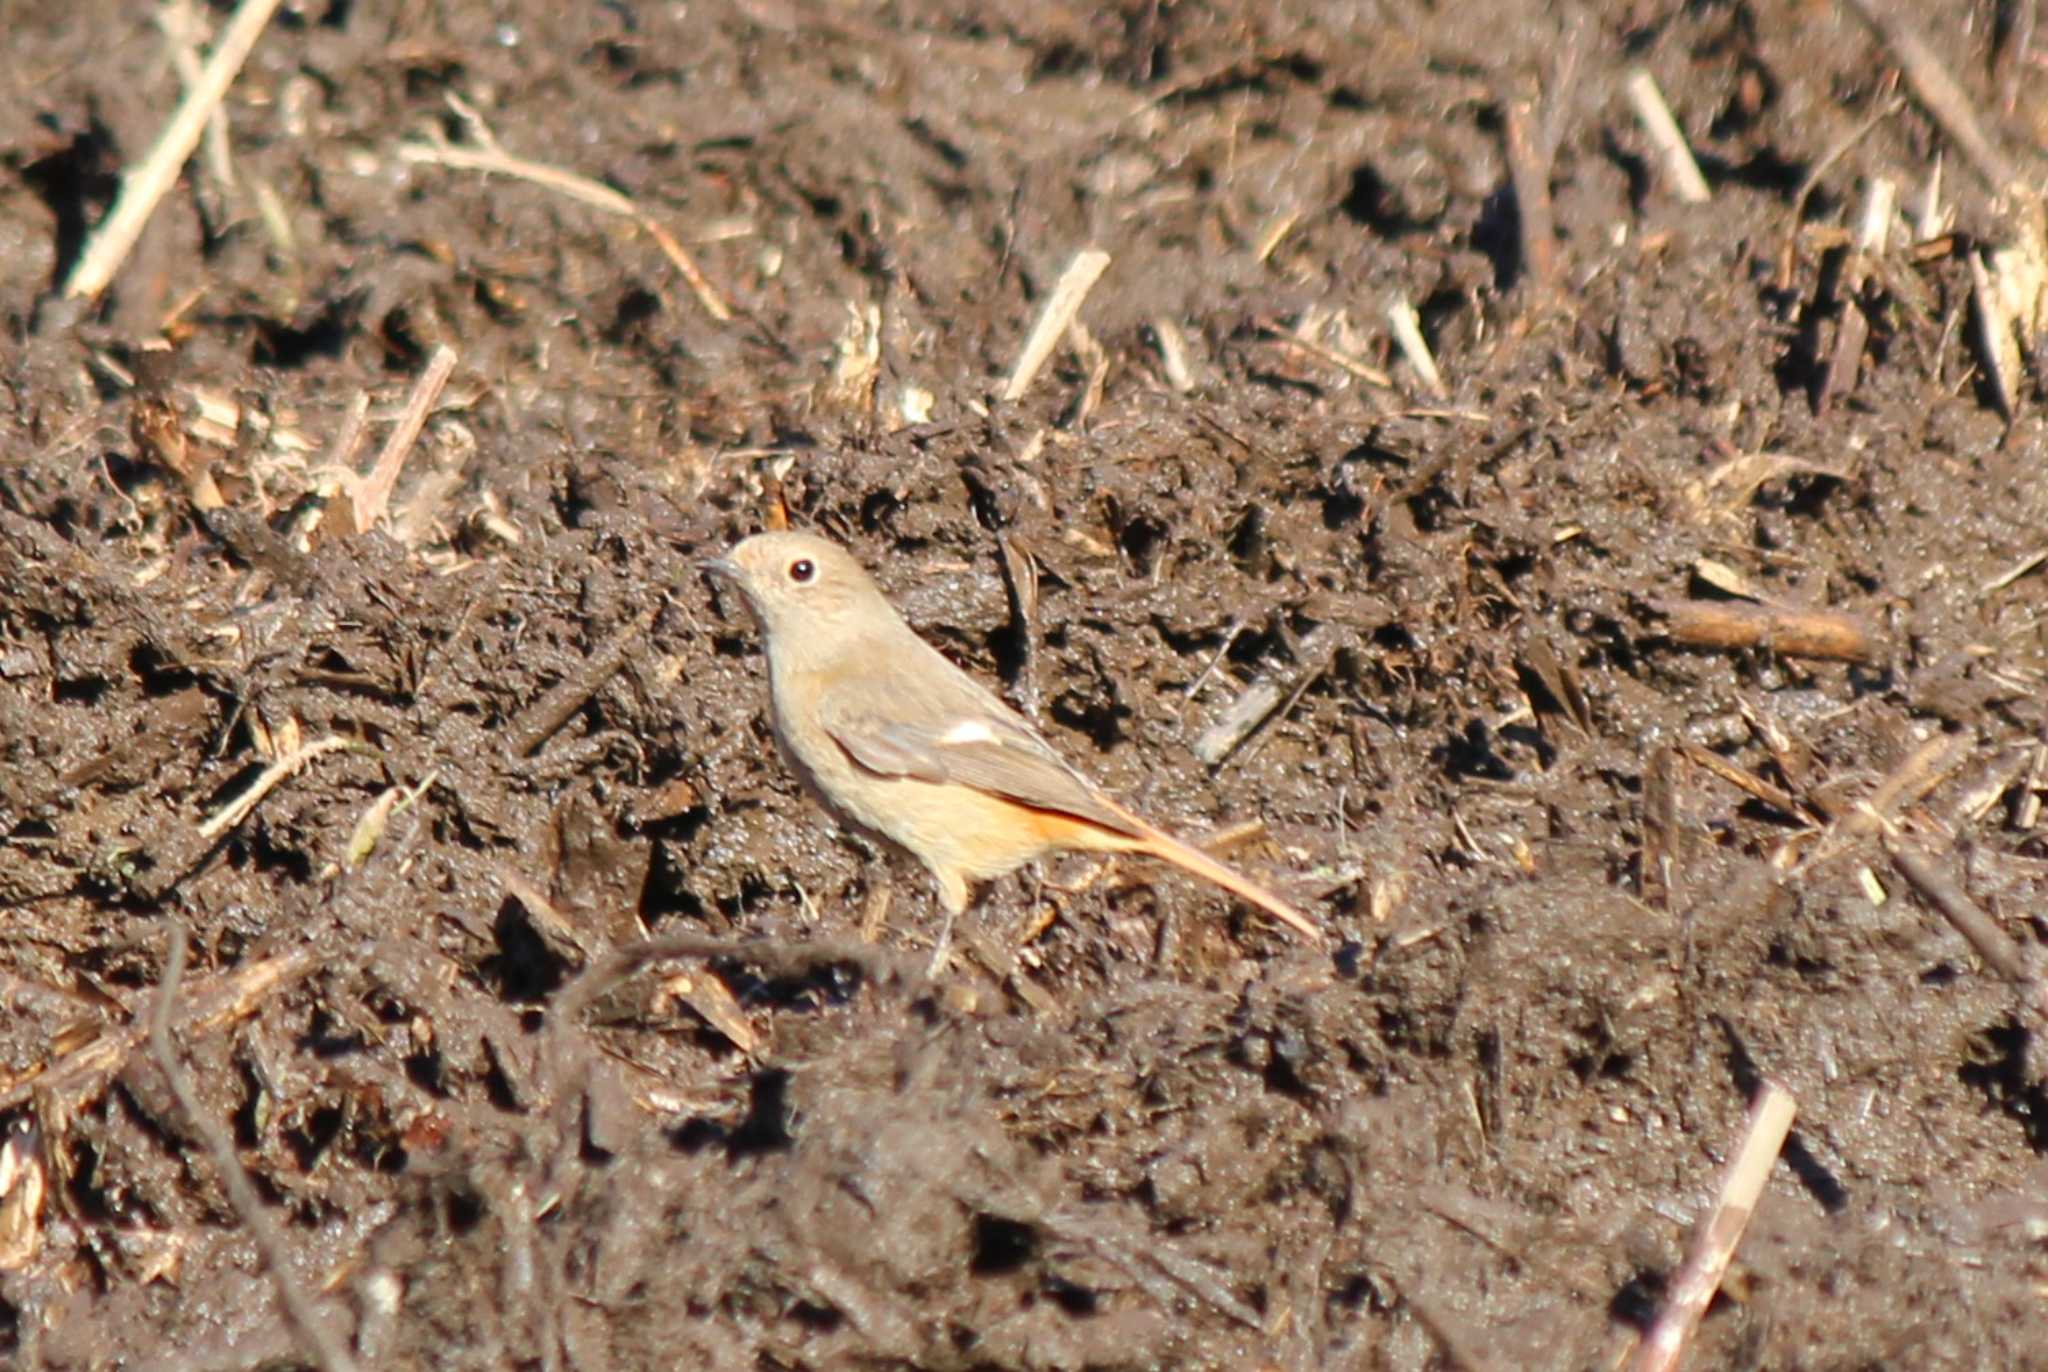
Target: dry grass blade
(1925, 768)
(711, 1001)
(1773, 796)
(24, 1181)
(1175, 359)
(2001, 350)
(1729, 485)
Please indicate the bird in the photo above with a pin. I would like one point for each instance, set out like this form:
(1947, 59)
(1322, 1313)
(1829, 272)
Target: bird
(892, 735)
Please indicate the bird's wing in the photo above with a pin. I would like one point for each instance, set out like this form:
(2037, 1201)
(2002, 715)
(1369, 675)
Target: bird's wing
(947, 729)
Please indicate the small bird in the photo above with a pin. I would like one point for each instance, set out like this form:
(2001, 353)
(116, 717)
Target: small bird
(896, 738)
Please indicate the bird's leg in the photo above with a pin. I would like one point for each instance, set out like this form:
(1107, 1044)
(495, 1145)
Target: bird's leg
(954, 895)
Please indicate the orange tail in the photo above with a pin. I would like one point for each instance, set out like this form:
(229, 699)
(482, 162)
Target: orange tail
(1189, 858)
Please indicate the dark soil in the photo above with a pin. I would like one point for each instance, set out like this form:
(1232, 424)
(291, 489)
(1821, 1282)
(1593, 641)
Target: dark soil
(1590, 881)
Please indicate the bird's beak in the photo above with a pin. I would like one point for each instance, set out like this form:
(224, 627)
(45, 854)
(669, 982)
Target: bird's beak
(721, 568)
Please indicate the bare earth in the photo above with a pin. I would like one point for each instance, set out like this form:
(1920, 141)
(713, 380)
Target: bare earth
(1592, 871)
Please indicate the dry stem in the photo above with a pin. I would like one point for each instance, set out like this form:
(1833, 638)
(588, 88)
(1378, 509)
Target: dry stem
(1407, 326)
(1999, 951)
(372, 495)
(1060, 309)
(1713, 1245)
(238, 809)
(488, 157)
(1795, 633)
(147, 181)
(1939, 93)
(312, 1331)
(1669, 141)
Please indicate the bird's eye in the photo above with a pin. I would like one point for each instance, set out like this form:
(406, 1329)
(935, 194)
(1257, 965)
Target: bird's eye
(802, 570)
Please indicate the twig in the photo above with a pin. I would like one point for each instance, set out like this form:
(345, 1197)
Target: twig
(1141, 1261)
(1530, 144)
(1665, 136)
(313, 1333)
(490, 157)
(1925, 768)
(1060, 308)
(2014, 572)
(81, 1073)
(1794, 633)
(2027, 813)
(372, 495)
(1852, 328)
(1844, 360)
(1713, 1243)
(2000, 952)
(146, 182)
(1529, 173)
(772, 956)
(1371, 375)
(1263, 699)
(538, 722)
(1020, 579)
(1663, 847)
(1309, 676)
(1939, 93)
(1770, 795)
(777, 957)
(1811, 182)
(341, 449)
(238, 809)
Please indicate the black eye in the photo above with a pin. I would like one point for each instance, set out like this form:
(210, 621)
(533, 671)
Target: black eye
(802, 570)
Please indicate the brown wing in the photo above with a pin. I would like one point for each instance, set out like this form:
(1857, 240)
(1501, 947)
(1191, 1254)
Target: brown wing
(941, 726)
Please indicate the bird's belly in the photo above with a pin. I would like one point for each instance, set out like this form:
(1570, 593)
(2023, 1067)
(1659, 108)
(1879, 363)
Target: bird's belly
(950, 828)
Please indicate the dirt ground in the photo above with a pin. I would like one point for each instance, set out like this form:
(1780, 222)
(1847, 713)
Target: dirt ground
(555, 1027)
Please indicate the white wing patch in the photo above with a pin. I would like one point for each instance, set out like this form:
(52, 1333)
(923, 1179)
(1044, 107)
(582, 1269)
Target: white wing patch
(969, 731)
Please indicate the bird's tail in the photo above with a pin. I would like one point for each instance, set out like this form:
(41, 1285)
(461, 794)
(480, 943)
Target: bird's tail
(1189, 858)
